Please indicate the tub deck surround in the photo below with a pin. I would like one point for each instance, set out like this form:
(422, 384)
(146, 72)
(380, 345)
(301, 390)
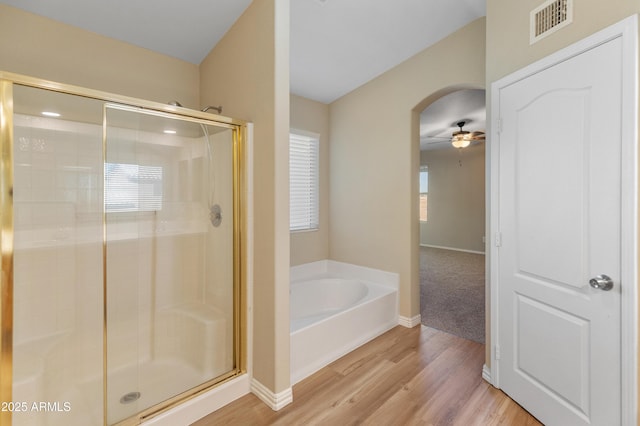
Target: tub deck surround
(335, 308)
(332, 268)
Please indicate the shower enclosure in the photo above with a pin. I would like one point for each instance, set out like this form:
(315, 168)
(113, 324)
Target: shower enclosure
(121, 255)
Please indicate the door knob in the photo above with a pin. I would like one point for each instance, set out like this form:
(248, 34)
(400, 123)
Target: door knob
(601, 282)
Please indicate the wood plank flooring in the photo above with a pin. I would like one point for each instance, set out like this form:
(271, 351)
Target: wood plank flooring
(418, 376)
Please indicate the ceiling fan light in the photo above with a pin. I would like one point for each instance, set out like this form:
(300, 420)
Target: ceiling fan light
(460, 141)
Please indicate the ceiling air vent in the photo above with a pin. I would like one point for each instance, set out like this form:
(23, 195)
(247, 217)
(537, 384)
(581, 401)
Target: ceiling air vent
(549, 18)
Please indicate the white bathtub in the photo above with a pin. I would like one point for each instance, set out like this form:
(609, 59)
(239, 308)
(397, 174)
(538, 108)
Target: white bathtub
(336, 307)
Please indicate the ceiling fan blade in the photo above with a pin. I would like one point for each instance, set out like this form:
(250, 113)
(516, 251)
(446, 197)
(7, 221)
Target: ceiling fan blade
(477, 136)
(444, 138)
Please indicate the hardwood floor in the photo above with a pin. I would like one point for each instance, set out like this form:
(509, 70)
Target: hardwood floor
(418, 376)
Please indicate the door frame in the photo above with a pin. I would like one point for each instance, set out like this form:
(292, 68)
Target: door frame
(627, 31)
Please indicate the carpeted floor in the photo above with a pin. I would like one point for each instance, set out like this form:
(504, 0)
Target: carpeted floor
(452, 292)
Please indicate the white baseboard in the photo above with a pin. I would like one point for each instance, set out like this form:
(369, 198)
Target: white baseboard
(275, 401)
(486, 374)
(452, 248)
(409, 322)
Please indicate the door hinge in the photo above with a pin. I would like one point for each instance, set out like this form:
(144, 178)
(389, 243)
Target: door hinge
(498, 239)
(497, 352)
(499, 125)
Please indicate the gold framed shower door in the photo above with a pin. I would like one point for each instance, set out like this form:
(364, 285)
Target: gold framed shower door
(239, 172)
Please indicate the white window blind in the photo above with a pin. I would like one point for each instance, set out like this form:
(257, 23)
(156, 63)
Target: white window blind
(303, 182)
(132, 188)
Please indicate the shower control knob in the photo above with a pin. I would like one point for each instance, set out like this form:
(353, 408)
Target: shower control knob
(215, 215)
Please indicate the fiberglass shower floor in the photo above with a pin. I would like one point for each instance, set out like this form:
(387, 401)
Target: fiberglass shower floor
(156, 381)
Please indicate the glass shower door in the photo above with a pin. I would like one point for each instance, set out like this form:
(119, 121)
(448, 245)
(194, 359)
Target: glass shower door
(121, 256)
(169, 257)
(57, 259)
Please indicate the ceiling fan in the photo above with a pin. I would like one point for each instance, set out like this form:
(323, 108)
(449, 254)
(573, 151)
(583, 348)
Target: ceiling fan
(463, 138)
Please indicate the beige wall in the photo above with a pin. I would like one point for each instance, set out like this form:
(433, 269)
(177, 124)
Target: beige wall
(374, 157)
(313, 117)
(248, 73)
(508, 46)
(456, 207)
(43, 48)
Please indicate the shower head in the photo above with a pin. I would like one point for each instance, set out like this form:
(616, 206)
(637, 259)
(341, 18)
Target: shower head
(217, 108)
(175, 103)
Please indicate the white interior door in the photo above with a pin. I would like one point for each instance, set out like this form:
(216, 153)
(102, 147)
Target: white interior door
(559, 215)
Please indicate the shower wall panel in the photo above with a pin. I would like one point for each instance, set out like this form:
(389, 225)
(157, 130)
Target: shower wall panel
(219, 251)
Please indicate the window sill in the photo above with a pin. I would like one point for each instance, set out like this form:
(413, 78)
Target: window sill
(302, 231)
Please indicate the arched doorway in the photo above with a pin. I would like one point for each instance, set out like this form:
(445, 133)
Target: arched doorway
(452, 214)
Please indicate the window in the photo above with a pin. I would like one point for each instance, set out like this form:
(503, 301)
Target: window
(132, 188)
(424, 190)
(303, 182)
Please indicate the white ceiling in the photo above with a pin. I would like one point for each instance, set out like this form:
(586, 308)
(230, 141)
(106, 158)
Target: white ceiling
(336, 45)
(184, 29)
